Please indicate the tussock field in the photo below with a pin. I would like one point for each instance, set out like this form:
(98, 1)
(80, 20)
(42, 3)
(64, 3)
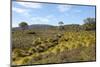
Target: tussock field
(49, 33)
(52, 46)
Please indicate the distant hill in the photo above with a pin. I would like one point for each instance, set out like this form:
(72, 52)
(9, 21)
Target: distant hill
(69, 27)
(35, 26)
(40, 26)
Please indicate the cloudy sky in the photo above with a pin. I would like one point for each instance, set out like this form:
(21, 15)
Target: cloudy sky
(43, 13)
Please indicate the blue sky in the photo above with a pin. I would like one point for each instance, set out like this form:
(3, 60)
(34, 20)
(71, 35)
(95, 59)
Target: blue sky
(43, 13)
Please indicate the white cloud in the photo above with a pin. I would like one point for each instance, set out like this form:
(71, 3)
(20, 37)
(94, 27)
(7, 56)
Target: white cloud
(23, 12)
(42, 20)
(77, 11)
(49, 16)
(30, 5)
(19, 10)
(63, 8)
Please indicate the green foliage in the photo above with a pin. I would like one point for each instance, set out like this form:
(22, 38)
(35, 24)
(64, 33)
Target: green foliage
(60, 27)
(90, 24)
(23, 25)
(60, 23)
